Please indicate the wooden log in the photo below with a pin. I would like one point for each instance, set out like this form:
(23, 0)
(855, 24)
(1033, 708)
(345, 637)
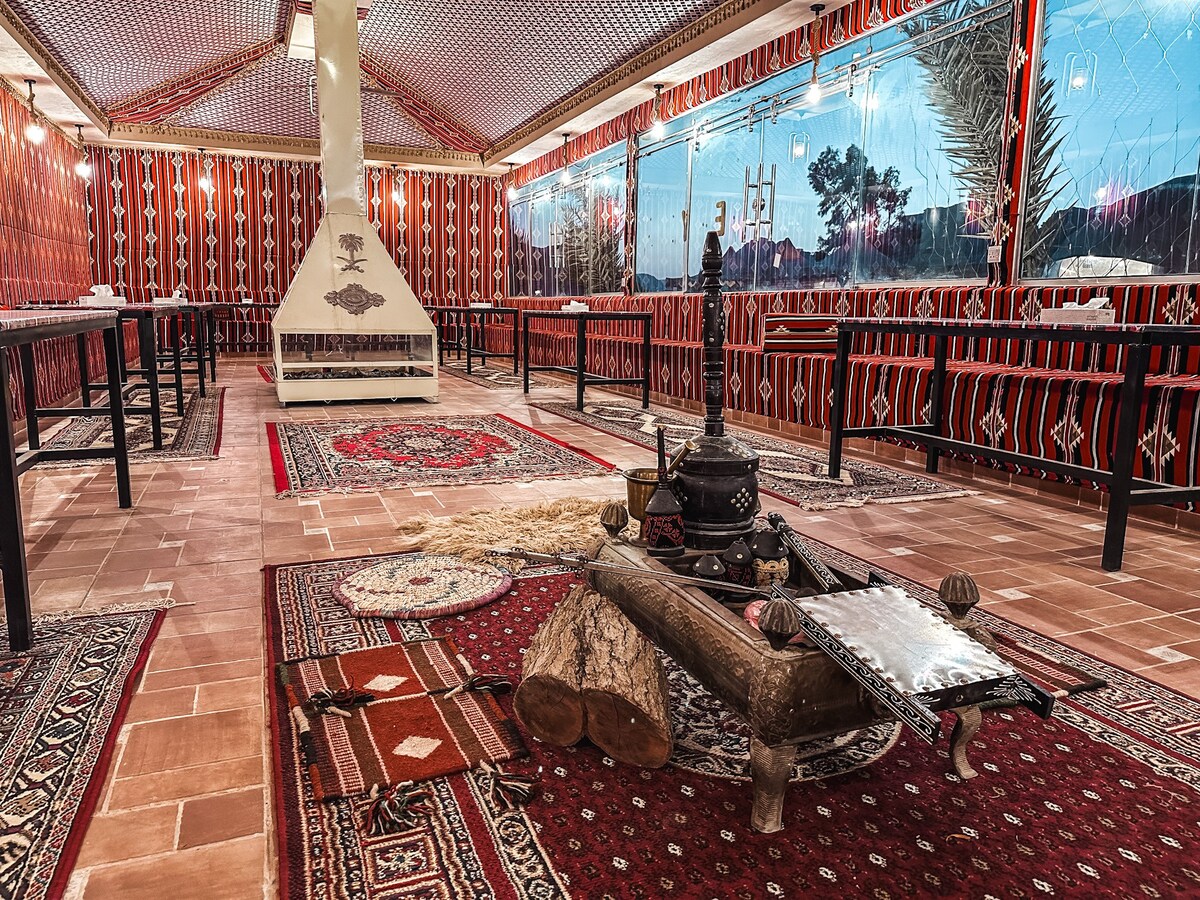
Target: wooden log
(624, 689)
(549, 701)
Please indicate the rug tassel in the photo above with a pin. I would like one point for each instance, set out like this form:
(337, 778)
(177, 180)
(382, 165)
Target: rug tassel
(397, 808)
(485, 684)
(339, 702)
(505, 790)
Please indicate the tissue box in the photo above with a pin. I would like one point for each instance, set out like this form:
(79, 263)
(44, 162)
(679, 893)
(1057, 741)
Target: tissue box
(93, 300)
(481, 304)
(1079, 315)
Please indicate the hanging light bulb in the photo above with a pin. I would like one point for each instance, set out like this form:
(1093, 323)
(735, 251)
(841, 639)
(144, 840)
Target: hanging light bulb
(814, 85)
(658, 128)
(565, 178)
(35, 131)
(83, 168)
(205, 183)
(512, 188)
(397, 187)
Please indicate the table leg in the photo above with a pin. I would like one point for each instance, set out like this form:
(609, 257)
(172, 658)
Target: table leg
(112, 354)
(967, 720)
(12, 532)
(441, 339)
(646, 365)
(85, 376)
(837, 412)
(195, 328)
(149, 357)
(514, 344)
(525, 349)
(210, 333)
(580, 360)
(29, 392)
(937, 388)
(177, 357)
(1133, 391)
(770, 774)
(469, 338)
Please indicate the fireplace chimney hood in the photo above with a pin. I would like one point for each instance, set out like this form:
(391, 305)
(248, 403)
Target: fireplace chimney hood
(349, 327)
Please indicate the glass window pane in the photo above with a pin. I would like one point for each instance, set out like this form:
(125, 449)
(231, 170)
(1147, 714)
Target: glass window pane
(719, 163)
(518, 248)
(1114, 185)
(661, 205)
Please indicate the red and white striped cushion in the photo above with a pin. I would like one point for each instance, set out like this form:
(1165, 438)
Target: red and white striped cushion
(799, 334)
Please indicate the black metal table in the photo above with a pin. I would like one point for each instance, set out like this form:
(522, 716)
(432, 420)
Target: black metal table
(579, 370)
(464, 338)
(173, 361)
(144, 316)
(21, 329)
(1137, 341)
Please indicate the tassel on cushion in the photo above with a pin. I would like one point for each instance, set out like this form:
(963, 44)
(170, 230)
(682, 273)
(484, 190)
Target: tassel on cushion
(489, 684)
(397, 808)
(339, 702)
(507, 791)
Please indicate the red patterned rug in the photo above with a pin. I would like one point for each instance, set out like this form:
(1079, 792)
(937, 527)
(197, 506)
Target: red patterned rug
(61, 709)
(1100, 800)
(408, 718)
(417, 451)
(267, 373)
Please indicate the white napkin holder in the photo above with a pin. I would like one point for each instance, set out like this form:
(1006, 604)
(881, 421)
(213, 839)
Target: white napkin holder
(1097, 311)
(101, 295)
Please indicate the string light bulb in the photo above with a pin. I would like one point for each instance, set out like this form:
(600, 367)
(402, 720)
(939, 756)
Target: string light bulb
(397, 189)
(35, 131)
(205, 182)
(512, 188)
(814, 85)
(83, 168)
(658, 128)
(565, 178)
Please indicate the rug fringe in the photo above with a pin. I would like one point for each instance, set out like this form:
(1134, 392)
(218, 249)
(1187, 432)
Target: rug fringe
(67, 615)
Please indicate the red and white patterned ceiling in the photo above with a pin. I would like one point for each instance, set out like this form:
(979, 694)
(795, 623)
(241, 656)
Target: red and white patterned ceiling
(465, 74)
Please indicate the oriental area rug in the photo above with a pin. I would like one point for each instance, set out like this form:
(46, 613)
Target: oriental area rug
(786, 470)
(1101, 799)
(195, 435)
(61, 709)
(493, 377)
(417, 451)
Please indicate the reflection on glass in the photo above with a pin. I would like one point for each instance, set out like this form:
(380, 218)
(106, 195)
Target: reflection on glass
(1114, 184)
(574, 244)
(888, 176)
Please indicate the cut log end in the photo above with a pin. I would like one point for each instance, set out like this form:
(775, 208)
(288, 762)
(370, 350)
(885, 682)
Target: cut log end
(550, 709)
(627, 732)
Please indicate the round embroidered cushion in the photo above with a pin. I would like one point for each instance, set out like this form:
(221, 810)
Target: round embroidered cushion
(421, 586)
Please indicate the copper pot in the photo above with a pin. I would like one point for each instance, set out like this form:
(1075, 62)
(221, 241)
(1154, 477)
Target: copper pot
(639, 488)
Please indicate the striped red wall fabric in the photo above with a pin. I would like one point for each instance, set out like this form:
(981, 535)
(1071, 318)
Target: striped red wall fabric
(153, 229)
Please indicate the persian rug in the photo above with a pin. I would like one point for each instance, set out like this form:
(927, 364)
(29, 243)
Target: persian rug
(493, 377)
(417, 451)
(421, 586)
(267, 373)
(788, 471)
(195, 435)
(61, 709)
(417, 726)
(1102, 799)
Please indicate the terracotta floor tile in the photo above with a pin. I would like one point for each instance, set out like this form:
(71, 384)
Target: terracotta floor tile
(149, 705)
(190, 781)
(221, 817)
(128, 835)
(205, 649)
(229, 871)
(235, 694)
(191, 740)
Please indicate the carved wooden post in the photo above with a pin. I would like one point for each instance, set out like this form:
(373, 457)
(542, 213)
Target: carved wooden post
(714, 338)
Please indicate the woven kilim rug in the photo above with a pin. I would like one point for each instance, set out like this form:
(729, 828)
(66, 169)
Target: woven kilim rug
(61, 708)
(1100, 800)
(267, 373)
(493, 377)
(417, 726)
(197, 435)
(417, 451)
(788, 471)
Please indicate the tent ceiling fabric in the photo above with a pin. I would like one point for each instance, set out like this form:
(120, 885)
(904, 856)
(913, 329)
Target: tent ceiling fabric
(473, 72)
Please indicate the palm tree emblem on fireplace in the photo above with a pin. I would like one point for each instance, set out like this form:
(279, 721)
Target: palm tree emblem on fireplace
(351, 243)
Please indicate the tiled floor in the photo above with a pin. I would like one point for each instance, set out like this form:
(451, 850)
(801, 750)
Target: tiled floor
(185, 812)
